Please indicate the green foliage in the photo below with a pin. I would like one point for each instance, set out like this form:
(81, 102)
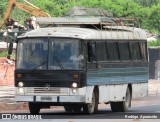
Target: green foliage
(154, 43)
(3, 53)
(146, 2)
(148, 11)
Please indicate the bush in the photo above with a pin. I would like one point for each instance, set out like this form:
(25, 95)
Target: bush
(3, 53)
(154, 43)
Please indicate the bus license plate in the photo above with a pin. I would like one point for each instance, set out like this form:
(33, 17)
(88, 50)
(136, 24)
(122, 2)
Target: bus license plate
(46, 98)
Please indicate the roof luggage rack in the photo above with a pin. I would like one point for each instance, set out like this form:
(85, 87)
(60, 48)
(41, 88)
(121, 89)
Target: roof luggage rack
(86, 17)
(86, 22)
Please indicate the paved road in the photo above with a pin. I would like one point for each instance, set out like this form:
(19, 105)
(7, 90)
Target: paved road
(135, 114)
(150, 104)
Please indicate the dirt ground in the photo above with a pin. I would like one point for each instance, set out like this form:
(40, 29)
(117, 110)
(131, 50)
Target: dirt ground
(6, 72)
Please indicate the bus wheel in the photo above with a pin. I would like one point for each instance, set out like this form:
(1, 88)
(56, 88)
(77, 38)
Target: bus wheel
(115, 106)
(34, 108)
(124, 105)
(77, 108)
(91, 108)
(68, 108)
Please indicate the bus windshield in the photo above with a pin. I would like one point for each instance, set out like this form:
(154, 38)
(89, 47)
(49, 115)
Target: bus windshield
(52, 54)
(65, 54)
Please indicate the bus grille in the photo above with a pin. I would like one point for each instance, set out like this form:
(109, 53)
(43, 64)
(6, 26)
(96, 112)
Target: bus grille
(46, 91)
(51, 83)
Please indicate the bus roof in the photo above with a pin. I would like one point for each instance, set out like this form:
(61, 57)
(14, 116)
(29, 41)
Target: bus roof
(117, 32)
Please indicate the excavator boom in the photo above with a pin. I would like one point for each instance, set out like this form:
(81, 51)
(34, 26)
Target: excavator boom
(29, 8)
(35, 11)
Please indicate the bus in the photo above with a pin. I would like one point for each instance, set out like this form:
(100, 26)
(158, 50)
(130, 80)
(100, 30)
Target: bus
(80, 64)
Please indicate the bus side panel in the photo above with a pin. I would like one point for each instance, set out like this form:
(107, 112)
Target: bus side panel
(139, 90)
(112, 92)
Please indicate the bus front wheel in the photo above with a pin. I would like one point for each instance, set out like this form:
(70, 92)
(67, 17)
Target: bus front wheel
(68, 108)
(34, 108)
(77, 108)
(92, 107)
(73, 108)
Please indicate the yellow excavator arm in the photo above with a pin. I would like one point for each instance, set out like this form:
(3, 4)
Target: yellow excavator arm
(29, 8)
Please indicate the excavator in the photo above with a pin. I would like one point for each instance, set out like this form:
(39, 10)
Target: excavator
(29, 8)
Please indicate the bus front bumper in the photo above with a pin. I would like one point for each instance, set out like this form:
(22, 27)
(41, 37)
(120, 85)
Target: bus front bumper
(60, 99)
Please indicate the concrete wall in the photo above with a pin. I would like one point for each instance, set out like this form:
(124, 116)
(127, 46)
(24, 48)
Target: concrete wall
(154, 55)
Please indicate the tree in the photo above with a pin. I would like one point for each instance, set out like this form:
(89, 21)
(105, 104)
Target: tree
(146, 10)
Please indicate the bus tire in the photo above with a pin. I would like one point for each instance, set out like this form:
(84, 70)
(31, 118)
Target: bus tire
(124, 105)
(77, 108)
(34, 108)
(68, 108)
(114, 106)
(91, 108)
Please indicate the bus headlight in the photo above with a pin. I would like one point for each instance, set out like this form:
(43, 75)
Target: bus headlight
(21, 90)
(74, 85)
(20, 84)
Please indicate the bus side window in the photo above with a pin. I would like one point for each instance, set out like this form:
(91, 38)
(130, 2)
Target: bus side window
(135, 51)
(124, 51)
(143, 50)
(113, 51)
(91, 51)
(101, 51)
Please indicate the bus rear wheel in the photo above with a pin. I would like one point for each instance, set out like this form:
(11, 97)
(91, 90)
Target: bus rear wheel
(92, 107)
(115, 106)
(34, 108)
(122, 106)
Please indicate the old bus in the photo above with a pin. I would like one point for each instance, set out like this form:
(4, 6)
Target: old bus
(79, 66)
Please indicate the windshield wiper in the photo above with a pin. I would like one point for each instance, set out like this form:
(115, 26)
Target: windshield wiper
(38, 65)
(58, 62)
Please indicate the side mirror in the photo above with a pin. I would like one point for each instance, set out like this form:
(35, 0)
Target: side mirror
(10, 49)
